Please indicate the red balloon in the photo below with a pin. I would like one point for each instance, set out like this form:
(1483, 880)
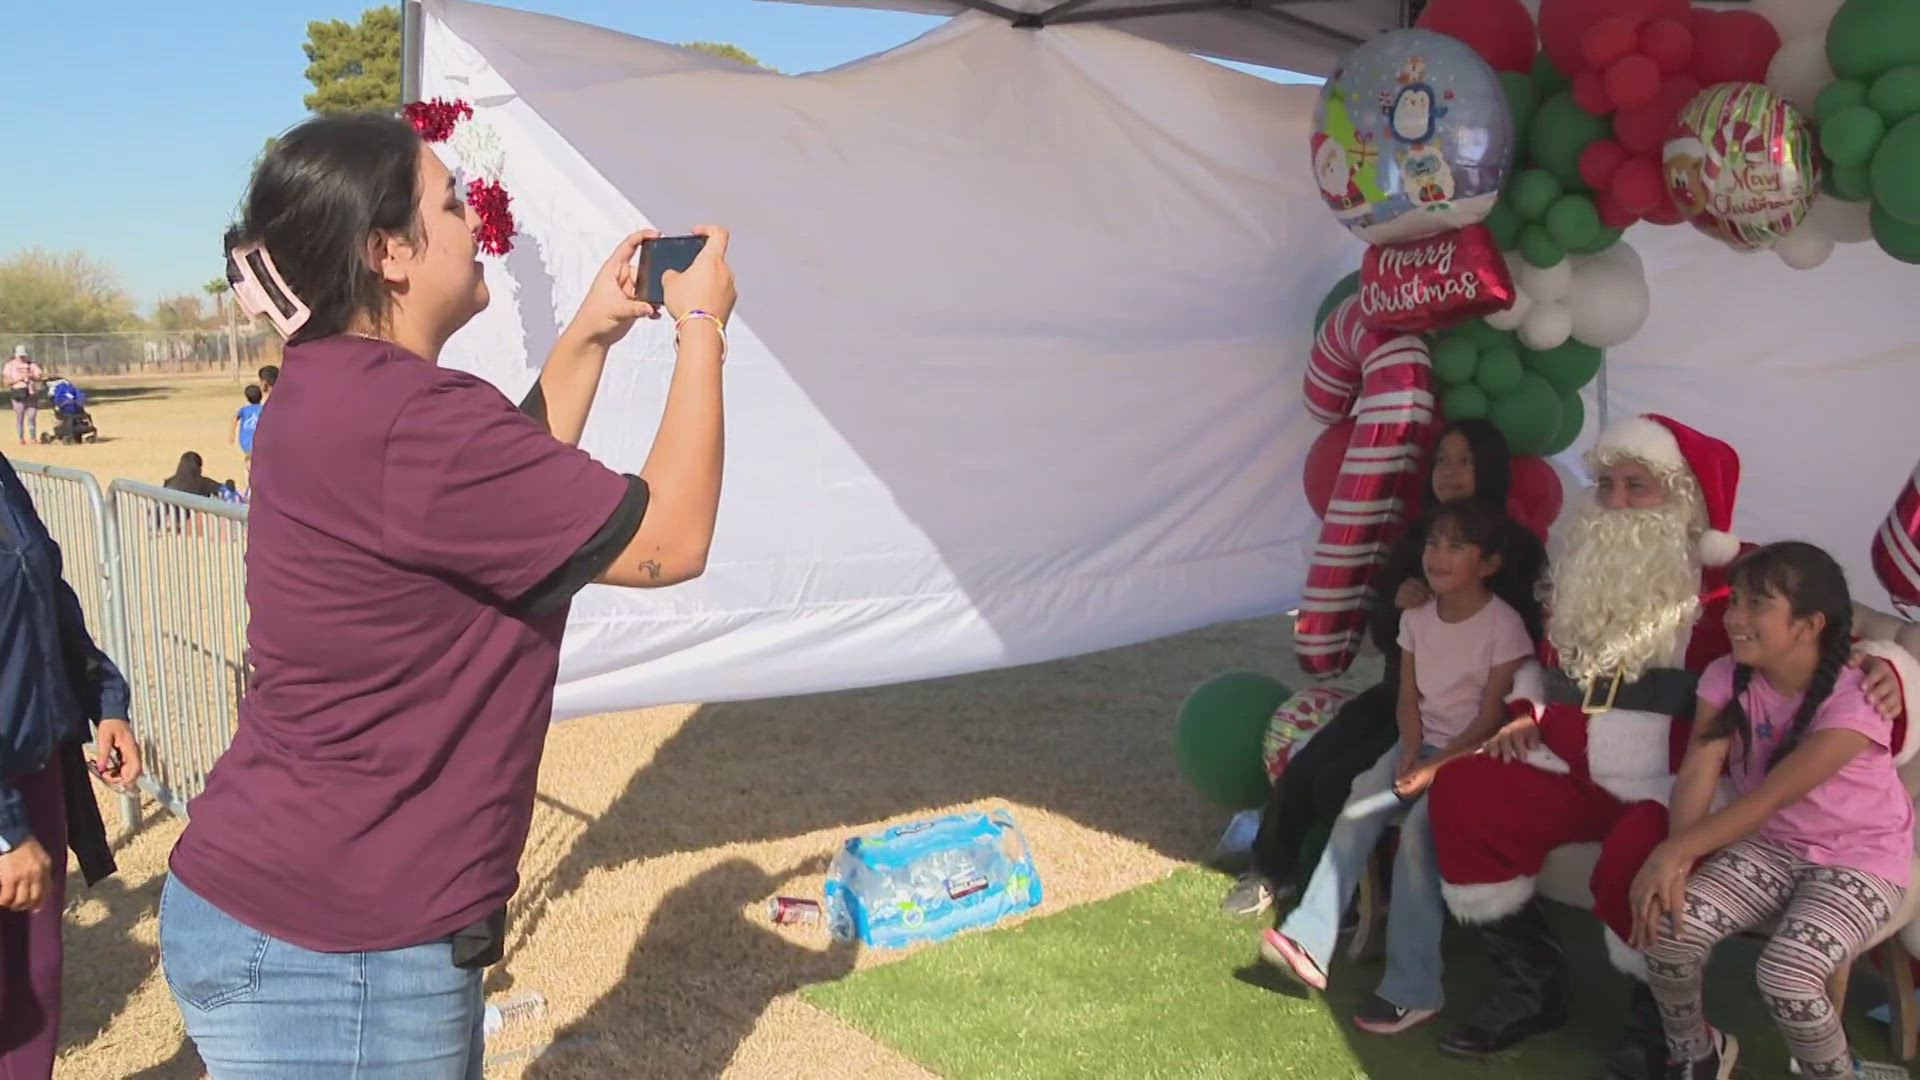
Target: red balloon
(1608, 40)
(1638, 185)
(1644, 130)
(1598, 161)
(1535, 495)
(1612, 214)
(1734, 46)
(1324, 458)
(1669, 43)
(1420, 285)
(1678, 89)
(1564, 24)
(1632, 81)
(1590, 93)
(1666, 213)
(1501, 31)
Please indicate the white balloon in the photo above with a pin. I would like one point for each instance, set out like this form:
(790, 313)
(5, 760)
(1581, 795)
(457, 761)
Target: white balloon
(1800, 71)
(1797, 18)
(1804, 248)
(1550, 283)
(1847, 222)
(1510, 319)
(1610, 300)
(1547, 326)
(1621, 253)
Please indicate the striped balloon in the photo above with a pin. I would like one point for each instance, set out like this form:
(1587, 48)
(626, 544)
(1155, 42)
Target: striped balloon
(1377, 481)
(1896, 548)
(1333, 370)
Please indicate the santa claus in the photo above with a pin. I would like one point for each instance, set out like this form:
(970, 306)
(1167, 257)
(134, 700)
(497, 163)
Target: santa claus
(1637, 599)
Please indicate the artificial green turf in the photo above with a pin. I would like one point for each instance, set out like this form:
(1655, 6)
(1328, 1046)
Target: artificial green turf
(1156, 982)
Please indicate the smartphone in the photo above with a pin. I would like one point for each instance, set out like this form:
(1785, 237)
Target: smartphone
(661, 255)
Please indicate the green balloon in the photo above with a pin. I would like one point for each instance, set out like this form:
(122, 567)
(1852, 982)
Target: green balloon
(1852, 183)
(1222, 725)
(1566, 367)
(1850, 135)
(1485, 336)
(1870, 37)
(1602, 240)
(1499, 370)
(1896, 95)
(1454, 358)
(1529, 416)
(1522, 100)
(1464, 402)
(1546, 77)
(1534, 191)
(1504, 224)
(1895, 174)
(1559, 132)
(1900, 239)
(1573, 418)
(1538, 247)
(1573, 221)
(1345, 287)
(1844, 94)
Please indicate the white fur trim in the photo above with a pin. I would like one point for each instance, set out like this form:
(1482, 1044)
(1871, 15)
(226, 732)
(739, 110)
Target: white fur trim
(1718, 548)
(1624, 957)
(1530, 686)
(1480, 904)
(1907, 670)
(1627, 744)
(1645, 440)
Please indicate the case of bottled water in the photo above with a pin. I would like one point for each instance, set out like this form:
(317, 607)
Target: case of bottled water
(928, 880)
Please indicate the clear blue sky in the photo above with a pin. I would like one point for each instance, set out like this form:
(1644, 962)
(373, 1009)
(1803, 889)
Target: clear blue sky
(129, 125)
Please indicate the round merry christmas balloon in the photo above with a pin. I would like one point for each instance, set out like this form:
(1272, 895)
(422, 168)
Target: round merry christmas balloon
(1412, 137)
(1741, 164)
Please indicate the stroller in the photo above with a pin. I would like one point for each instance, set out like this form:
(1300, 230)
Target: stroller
(72, 423)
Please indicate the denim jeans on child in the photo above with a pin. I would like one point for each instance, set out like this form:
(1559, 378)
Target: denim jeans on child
(1417, 913)
(258, 1008)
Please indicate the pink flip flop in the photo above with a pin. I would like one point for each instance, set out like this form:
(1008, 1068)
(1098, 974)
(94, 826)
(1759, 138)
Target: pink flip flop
(1284, 953)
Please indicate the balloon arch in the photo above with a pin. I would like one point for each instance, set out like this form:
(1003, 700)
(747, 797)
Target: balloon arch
(1493, 164)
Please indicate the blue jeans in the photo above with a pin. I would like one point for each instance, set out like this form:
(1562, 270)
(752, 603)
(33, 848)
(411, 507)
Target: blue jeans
(258, 1008)
(1417, 914)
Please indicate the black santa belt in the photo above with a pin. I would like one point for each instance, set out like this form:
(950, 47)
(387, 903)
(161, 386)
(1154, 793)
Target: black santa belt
(1670, 691)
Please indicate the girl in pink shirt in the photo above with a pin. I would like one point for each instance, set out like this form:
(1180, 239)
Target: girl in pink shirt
(1819, 832)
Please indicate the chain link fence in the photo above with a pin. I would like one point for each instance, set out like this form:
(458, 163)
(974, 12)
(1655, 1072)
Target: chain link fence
(136, 351)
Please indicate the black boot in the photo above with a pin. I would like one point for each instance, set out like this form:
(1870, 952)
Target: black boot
(1640, 1052)
(1528, 995)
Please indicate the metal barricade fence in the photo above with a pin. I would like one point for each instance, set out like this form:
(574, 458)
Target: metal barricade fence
(181, 565)
(70, 503)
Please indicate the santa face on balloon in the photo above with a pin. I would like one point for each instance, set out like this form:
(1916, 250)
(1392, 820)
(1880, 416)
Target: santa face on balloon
(1333, 171)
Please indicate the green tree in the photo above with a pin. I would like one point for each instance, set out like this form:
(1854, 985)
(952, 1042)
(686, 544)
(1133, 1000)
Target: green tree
(355, 67)
(181, 312)
(726, 52)
(42, 292)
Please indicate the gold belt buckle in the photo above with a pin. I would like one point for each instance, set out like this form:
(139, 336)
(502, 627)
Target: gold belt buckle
(1587, 704)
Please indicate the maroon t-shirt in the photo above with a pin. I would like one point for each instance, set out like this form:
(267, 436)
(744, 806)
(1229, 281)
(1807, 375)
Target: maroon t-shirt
(381, 782)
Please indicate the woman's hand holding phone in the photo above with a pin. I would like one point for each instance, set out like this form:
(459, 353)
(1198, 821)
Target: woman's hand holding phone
(613, 300)
(707, 285)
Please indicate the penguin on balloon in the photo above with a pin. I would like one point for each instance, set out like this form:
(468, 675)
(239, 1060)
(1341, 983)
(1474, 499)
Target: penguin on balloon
(1413, 117)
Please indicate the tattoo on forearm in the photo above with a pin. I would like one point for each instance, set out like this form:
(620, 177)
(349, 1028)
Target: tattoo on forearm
(652, 568)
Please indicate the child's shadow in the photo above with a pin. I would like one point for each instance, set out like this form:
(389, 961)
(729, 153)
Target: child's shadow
(698, 980)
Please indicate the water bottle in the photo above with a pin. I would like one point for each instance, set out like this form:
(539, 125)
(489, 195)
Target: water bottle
(530, 1005)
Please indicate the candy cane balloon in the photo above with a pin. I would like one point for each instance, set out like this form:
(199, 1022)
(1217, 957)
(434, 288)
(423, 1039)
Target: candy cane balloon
(1376, 483)
(1896, 547)
(1333, 371)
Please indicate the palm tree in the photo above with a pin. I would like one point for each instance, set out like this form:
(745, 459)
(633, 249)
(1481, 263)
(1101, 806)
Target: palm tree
(218, 289)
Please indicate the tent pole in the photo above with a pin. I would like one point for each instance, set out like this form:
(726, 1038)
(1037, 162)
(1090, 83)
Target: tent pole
(409, 51)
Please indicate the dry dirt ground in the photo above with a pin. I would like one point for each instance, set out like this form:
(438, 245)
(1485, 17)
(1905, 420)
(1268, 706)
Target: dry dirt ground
(660, 833)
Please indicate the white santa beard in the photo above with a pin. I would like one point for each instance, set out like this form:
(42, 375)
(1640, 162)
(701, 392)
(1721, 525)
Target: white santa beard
(1625, 590)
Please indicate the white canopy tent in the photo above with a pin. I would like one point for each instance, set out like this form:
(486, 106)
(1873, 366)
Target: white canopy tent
(1017, 363)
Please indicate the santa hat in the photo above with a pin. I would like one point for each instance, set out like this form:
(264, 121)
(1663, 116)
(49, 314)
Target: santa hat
(1667, 444)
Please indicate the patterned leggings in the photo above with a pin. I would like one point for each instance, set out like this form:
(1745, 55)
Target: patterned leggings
(1827, 915)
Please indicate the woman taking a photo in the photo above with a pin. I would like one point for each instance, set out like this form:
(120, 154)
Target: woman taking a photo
(414, 543)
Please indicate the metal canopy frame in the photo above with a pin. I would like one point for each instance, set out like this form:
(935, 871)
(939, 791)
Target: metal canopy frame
(1067, 12)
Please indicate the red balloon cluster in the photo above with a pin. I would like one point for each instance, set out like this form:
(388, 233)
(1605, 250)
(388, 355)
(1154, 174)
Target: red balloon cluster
(1641, 61)
(1501, 31)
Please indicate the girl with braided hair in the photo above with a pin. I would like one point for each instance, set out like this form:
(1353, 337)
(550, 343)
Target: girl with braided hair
(1818, 831)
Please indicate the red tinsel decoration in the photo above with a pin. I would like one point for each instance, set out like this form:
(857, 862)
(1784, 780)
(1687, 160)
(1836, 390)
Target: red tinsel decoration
(490, 201)
(434, 119)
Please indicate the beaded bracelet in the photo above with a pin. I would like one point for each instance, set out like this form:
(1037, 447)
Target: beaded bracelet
(718, 326)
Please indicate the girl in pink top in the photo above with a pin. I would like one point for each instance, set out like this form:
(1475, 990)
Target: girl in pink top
(1819, 832)
(22, 378)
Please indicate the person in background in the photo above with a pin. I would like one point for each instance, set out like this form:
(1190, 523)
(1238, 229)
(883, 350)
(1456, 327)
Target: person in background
(22, 378)
(269, 375)
(188, 478)
(246, 421)
(46, 802)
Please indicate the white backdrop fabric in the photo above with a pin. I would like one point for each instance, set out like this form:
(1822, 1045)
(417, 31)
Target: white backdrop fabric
(1016, 369)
